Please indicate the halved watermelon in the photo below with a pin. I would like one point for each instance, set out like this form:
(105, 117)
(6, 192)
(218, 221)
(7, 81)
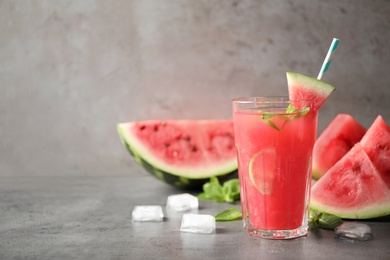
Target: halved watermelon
(302, 87)
(183, 153)
(334, 142)
(376, 143)
(352, 188)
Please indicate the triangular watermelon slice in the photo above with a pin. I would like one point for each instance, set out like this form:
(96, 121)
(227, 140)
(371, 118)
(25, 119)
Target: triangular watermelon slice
(352, 189)
(376, 143)
(302, 87)
(334, 142)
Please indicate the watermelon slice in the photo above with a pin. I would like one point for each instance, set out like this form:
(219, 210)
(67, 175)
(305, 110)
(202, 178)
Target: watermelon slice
(334, 142)
(352, 188)
(183, 153)
(302, 87)
(376, 143)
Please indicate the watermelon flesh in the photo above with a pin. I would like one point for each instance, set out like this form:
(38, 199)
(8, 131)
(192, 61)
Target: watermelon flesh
(302, 87)
(376, 143)
(181, 151)
(352, 188)
(334, 142)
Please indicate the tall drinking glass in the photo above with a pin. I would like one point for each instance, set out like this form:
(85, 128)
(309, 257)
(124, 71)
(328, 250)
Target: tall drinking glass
(274, 138)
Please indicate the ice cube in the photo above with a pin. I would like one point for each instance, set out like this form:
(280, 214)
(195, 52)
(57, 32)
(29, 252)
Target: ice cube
(182, 202)
(147, 213)
(353, 231)
(198, 223)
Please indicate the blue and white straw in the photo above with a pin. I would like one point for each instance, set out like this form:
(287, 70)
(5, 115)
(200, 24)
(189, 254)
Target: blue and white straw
(328, 58)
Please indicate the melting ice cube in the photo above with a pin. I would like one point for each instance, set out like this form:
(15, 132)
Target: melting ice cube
(182, 202)
(353, 231)
(198, 223)
(147, 213)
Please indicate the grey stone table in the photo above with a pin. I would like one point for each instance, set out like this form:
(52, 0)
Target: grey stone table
(90, 218)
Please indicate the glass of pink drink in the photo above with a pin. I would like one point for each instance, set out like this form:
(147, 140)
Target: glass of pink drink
(274, 139)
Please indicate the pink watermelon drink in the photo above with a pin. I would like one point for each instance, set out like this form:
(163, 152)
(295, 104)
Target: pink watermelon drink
(274, 139)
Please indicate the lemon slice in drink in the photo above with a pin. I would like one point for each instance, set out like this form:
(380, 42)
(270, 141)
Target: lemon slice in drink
(262, 170)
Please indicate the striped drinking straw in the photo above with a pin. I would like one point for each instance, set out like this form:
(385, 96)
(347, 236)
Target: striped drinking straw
(328, 58)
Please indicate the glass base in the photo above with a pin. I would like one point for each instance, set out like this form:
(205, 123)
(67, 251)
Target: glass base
(278, 234)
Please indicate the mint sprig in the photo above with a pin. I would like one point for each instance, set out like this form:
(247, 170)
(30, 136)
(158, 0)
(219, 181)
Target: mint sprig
(324, 220)
(228, 215)
(290, 114)
(228, 192)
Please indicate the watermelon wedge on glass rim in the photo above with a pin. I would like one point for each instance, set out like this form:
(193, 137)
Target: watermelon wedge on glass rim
(182, 153)
(302, 87)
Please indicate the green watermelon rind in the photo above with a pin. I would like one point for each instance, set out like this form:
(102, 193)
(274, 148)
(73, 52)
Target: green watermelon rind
(181, 178)
(317, 88)
(375, 210)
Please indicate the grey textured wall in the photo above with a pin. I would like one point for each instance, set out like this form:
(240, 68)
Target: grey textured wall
(71, 70)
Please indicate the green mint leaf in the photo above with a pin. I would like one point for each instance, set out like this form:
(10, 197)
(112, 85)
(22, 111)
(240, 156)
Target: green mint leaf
(266, 116)
(204, 196)
(324, 220)
(228, 215)
(291, 114)
(313, 219)
(295, 112)
(213, 190)
(329, 221)
(231, 190)
(290, 109)
(302, 112)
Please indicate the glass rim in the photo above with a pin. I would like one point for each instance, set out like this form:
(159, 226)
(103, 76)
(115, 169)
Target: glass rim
(267, 99)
